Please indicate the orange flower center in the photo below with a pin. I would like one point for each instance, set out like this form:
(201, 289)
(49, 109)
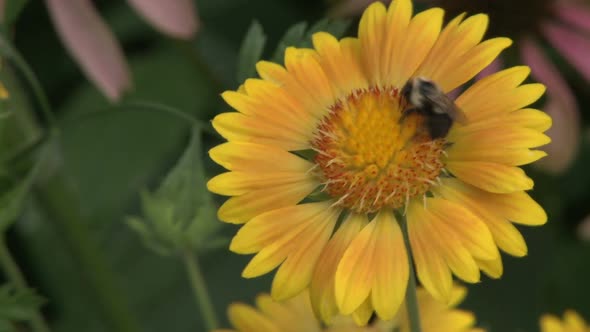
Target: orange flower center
(369, 159)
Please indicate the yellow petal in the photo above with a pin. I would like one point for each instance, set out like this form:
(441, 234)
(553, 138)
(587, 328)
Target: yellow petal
(362, 315)
(274, 226)
(473, 233)
(249, 157)
(472, 62)
(395, 31)
(456, 255)
(239, 183)
(508, 237)
(431, 268)
(455, 320)
(287, 248)
(517, 207)
(322, 284)
(247, 319)
(504, 101)
(496, 178)
(550, 323)
(240, 209)
(334, 56)
(371, 35)
(274, 101)
(236, 127)
(574, 322)
(523, 118)
(295, 273)
(391, 266)
(531, 118)
(504, 137)
(356, 271)
(418, 40)
(500, 82)
(278, 75)
(303, 66)
(456, 39)
(493, 268)
(509, 157)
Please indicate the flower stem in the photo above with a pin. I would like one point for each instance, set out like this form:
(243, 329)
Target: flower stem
(14, 274)
(200, 290)
(411, 298)
(60, 203)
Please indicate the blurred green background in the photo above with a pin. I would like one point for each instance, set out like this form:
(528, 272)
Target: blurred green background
(106, 156)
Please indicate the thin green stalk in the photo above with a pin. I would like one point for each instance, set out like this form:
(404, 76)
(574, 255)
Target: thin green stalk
(62, 207)
(30, 76)
(200, 290)
(411, 298)
(14, 274)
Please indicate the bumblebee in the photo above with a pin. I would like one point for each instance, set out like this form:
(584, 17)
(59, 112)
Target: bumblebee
(425, 98)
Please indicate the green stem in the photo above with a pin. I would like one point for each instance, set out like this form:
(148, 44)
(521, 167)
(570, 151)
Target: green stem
(200, 290)
(411, 297)
(14, 274)
(30, 76)
(62, 207)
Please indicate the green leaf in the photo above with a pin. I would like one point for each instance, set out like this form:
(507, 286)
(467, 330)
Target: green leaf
(17, 304)
(294, 35)
(250, 52)
(298, 36)
(12, 199)
(181, 213)
(335, 27)
(12, 10)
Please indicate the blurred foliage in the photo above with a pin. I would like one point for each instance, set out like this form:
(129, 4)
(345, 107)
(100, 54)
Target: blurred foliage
(180, 214)
(16, 305)
(106, 155)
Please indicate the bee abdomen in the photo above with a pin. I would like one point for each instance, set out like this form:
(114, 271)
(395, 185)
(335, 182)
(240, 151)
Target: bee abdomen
(439, 125)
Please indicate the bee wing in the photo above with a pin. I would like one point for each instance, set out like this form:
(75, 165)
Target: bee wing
(458, 114)
(443, 102)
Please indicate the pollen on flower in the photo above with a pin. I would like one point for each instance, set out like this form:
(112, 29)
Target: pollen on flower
(368, 159)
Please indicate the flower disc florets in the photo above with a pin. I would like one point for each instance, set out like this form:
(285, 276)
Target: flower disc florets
(369, 158)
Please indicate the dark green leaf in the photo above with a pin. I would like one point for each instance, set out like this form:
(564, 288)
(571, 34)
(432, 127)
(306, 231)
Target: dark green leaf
(12, 9)
(250, 52)
(293, 36)
(335, 27)
(180, 213)
(298, 36)
(6, 326)
(12, 200)
(17, 304)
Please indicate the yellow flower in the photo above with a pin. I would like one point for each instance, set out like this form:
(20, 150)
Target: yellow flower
(572, 322)
(296, 315)
(321, 165)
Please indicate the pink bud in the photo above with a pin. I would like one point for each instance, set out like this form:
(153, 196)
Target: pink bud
(561, 106)
(91, 44)
(176, 18)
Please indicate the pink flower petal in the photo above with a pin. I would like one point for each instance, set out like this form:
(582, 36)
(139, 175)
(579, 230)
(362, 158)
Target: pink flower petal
(176, 18)
(561, 106)
(574, 14)
(91, 44)
(574, 46)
